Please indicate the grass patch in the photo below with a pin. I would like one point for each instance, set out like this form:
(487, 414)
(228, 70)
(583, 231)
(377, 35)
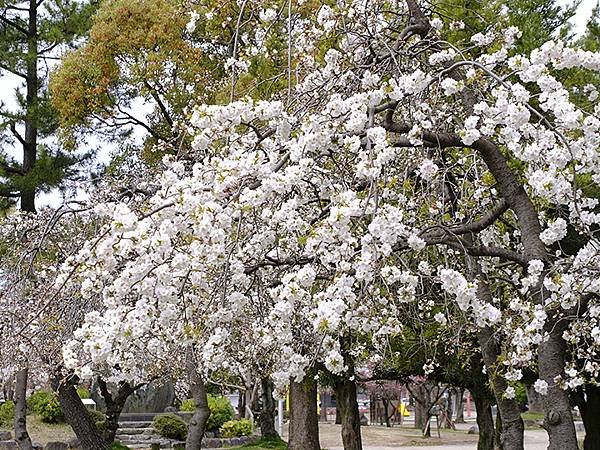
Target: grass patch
(532, 416)
(264, 444)
(118, 446)
(45, 432)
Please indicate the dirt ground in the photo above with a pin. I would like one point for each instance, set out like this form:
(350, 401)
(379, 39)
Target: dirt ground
(376, 436)
(43, 433)
(382, 438)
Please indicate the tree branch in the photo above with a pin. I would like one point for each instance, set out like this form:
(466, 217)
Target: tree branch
(11, 70)
(13, 24)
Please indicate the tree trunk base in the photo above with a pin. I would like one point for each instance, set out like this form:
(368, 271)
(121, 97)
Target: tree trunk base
(304, 424)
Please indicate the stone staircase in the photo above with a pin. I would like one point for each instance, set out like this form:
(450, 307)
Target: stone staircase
(141, 434)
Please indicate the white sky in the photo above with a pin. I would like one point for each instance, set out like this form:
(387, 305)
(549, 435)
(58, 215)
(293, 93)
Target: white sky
(9, 83)
(584, 12)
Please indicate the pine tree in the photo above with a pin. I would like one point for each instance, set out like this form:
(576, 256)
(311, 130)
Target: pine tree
(32, 35)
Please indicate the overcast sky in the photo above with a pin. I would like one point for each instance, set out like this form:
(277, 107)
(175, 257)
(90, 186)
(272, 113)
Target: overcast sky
(9, 83)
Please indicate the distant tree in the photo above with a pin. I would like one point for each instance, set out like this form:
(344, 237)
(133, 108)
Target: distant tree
(32, 35)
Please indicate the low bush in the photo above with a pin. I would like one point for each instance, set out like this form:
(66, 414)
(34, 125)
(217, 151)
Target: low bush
(46, 406)
(170, 426)
(83, 392)
(188, 405)
(99, 419)
(118, 446)
(36, 401)
(51, 411)
(7, 413)
(221, 411)
(236, 428)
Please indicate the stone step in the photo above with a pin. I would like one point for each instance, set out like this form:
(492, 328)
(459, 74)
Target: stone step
(135, 424)
(146, 444)
(137, 437)
(123, 430)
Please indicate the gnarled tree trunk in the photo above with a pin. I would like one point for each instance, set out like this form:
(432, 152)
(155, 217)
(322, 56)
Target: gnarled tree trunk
(114, 406)
(304, 424)
(345, 393)
(535, 403)
(485, 421)
(460, 407)
(590, 413)
(201, 413)
(76, 414)
(20, 421)
(512, 423)
(558, 419)
(498, 431)
(266, 420)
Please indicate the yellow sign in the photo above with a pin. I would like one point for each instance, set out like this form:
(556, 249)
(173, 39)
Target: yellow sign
(403, 410)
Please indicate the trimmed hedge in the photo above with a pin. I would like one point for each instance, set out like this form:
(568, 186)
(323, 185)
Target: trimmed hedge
(7, 413)
(236, 428)
(170, 426)
(46, 406)
(221, 411)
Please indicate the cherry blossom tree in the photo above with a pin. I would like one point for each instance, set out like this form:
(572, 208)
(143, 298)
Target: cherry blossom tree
(297, 220)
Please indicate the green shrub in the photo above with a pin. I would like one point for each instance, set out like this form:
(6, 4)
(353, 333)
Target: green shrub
(36, 401)
(51, 412)
(7, 413)
(99, 419)
(236, 428)
(170, 426)
(221, 411)
(83, 392)
(45, 405)
(520, 395)
(118, 446)
(188, 405)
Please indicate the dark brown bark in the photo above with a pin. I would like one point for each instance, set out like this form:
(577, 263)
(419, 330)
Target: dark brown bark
(558, 420)
(31, 101)
(304, 424)
(198, 421)
(345, 393)
(485, 420)
(386, 412)
(323, 410)
(76, 415)
(241, 407)
(498, 431)
(266, 420)
(420, 415)
(20, 421)
(590, 413)
(114, 406)
(535, 402)
(512, 423)
(422, 396)
(460, 410)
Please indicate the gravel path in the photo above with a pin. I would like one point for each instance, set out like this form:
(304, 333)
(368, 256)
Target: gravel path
(381, 438)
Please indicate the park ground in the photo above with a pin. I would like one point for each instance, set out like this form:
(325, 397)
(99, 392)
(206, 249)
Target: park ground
(375, 437)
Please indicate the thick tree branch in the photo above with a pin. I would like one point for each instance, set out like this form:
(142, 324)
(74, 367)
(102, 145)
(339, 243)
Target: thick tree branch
(14, 24)
(16, 134)
(11, 70)
(485, 221)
